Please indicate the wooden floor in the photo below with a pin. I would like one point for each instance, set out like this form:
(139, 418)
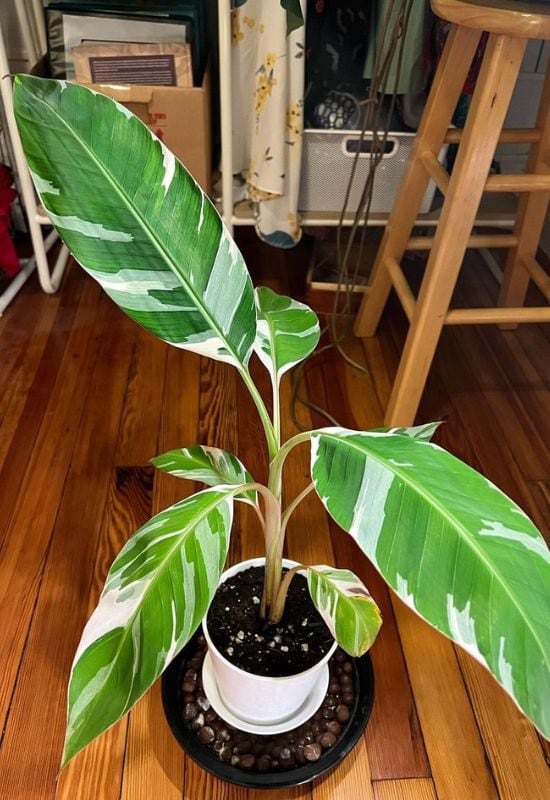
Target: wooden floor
(86, 398)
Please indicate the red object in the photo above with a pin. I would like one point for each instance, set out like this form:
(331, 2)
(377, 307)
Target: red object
(9, 263)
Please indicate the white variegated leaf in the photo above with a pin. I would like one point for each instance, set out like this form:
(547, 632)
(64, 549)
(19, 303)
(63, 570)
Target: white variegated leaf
(459, 552)
(287, 332)
(208, 465)
(346, 606)
(136, 220)
(424, 432)
(156, 593)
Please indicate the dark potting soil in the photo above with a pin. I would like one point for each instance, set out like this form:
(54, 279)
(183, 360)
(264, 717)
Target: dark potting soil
(283, 751)
(295, 644)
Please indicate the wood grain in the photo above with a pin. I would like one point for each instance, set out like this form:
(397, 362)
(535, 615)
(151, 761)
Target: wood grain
(97, 771)
(27, 757)
(160, 771)
(511, 741)
(90, 403)
(40, 490)
(411, 789)
(350, 779)
(394, 718)
(453, 740)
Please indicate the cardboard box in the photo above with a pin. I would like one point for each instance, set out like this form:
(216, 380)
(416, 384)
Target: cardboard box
(179, 116)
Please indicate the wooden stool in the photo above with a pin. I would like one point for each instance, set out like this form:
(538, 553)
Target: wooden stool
(510, 24)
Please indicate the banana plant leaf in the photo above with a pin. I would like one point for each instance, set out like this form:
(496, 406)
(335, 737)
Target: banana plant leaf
(287, 332)
(209, 465)
(157, 591)
(346, 606)
(453, 547)
(136, 220)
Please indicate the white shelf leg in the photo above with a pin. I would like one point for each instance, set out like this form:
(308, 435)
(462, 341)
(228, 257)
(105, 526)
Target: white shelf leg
(226, 121)
(48, 282)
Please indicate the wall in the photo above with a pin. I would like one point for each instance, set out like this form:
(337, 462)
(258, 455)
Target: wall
(12, 35)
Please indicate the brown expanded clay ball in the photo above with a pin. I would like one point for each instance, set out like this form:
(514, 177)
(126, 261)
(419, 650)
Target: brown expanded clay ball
(312, 752)
(206, 734)
(327, 740)
(342, 713)
(283, 751)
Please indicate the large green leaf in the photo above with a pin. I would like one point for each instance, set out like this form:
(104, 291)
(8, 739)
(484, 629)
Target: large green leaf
(209, 465)
(455, 549)
(157, 591)
(294, 15)
(345, 604)
(287, 332)
(135, 219)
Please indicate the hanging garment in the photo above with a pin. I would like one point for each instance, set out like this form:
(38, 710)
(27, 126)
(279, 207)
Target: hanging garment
(268, 87)
(412, 76)
(9, 263)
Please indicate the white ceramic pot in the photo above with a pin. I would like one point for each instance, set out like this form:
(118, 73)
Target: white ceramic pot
(256, 698)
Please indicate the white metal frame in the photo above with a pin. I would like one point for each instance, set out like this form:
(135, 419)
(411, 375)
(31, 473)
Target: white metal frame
(34, 38)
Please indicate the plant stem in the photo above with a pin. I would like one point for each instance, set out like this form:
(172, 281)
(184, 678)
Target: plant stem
(276, 467)
(278, 608)
(277, 413)
(272, 442)
(293, 506)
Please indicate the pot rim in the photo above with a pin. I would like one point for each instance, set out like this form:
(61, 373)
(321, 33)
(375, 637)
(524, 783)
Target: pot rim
(235, 569)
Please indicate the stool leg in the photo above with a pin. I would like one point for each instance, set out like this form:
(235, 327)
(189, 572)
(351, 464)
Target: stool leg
(447, 86)
(531, 214)
(490, 102)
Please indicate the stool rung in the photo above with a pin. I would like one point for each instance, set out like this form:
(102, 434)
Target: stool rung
(482, 316)
(480, 240)
(518, 183)
(401, 286)
(538, 274)
(437, 173)
(510, 136)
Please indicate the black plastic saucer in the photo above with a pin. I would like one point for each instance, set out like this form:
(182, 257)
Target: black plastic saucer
(172, 701)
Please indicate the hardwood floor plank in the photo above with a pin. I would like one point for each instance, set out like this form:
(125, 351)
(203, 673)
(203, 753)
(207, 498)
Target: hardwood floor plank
(97, 771)
(510, 740)
(153, 766)
(218, 423)
(140, 422)
(41, 487)
(350, 779)
(454, 745)
(412, 789)
(19, 361)
(394, 717)
(31, 388)
(161, 772)
(540, 492)
(67, 577)
(217, 428)
(17, 330)
(494, 370)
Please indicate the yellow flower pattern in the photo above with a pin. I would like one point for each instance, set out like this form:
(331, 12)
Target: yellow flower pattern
(294, 121)
(237, 34)
(268, 116)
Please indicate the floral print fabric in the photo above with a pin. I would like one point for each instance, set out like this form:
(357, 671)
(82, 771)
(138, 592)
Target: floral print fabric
(268, 87)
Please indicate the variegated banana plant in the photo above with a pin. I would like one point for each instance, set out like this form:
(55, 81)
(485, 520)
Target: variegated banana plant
(452, 546)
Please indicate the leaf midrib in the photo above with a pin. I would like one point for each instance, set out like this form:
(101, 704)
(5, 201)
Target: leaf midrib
(454, 523)
(138, 216)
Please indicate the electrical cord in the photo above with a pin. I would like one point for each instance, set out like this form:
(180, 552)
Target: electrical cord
(394, 29)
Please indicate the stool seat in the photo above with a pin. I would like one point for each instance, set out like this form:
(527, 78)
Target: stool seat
(509, 25)
(527, 20)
